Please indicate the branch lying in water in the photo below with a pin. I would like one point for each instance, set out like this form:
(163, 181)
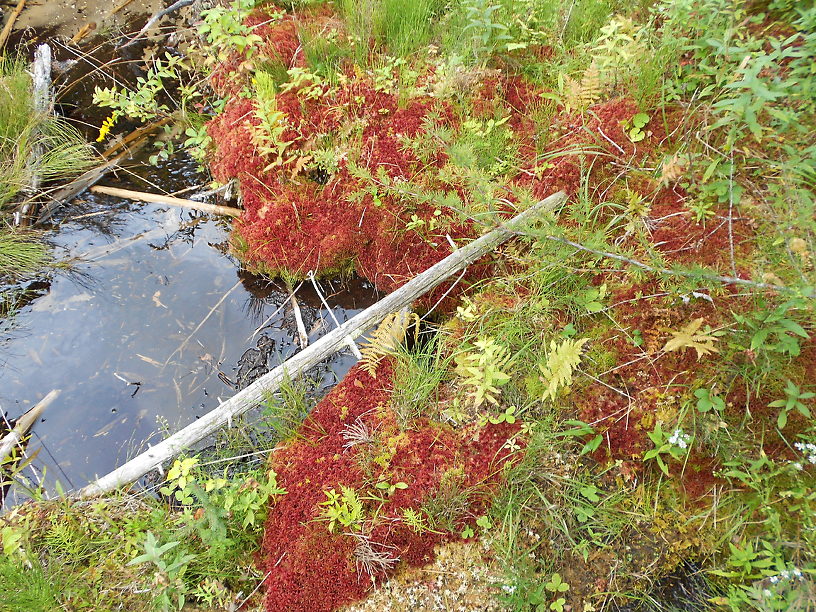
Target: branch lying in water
(157, 198)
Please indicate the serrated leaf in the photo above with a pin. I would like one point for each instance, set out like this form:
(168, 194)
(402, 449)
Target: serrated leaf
(561, 362)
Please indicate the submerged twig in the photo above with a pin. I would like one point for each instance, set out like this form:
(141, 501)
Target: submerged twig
(203, 321)
(350, 343)
(156, 198)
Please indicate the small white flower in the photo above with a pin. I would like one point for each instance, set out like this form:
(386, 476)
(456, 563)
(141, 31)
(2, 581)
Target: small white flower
(774, 579)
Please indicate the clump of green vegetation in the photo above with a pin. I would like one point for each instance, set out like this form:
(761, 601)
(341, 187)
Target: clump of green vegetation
(137, 550)
(22, 130)
(25, 136)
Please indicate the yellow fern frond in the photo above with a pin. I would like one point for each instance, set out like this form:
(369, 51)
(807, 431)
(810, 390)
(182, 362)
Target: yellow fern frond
(689, 337)
(578, 95)
(561, 362)
(386, 338)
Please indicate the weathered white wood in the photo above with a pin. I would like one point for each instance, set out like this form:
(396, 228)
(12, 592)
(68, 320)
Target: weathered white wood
(157, 198)
(41, 79)
(43, 103)
(24, 423)
(314, 354)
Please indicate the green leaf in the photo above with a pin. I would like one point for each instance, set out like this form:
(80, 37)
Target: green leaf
(640, 120)
(592, 445)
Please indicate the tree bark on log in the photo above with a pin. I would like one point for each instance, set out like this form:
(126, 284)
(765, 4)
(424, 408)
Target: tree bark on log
(314, 354)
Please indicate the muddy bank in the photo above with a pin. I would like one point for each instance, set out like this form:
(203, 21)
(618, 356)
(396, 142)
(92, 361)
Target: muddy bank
(66, 18)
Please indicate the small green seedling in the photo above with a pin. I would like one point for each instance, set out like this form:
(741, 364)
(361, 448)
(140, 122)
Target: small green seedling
(484, 522)
(793, 401)
(389, 488)
(557, 586)
(706, 400)
(634, 127)
(581, 429)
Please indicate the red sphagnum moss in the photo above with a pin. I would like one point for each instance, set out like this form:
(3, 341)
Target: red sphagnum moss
(311, 569)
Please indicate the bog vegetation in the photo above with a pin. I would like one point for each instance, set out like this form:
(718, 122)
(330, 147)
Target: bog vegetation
(23, 131)
(625, 391)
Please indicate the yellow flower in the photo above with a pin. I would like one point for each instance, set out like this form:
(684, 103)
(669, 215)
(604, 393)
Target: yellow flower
(105, 129)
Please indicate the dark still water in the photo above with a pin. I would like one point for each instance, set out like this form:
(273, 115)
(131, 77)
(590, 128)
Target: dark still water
(154, 325)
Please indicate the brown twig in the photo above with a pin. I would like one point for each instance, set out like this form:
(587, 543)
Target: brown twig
(10, 23)
(120, 7)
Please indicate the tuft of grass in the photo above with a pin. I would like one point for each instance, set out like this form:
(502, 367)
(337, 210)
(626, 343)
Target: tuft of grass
(285, 410)
(418, 375)
(401, 27)
(21, 253)
(23, 132)
(27, 588)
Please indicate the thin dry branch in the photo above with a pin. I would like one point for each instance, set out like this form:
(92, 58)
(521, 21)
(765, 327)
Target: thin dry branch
(156, 198)
(24, 423)
(728, 280)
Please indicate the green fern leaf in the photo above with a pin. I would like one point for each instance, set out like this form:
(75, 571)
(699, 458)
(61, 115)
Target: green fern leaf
(561, 362)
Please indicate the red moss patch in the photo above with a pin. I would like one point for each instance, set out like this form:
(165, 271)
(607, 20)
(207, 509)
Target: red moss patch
(313, 570)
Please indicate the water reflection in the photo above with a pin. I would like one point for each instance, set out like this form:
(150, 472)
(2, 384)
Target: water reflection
(156, 322)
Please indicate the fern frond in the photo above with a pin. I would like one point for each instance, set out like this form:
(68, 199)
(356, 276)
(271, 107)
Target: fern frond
(481, 370)
(561, 362)
(688, 337)
(578, 95)
(386, 338)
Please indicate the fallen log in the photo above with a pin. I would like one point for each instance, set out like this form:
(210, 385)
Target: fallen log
(157, 198)
(24, 423)
(317, 352)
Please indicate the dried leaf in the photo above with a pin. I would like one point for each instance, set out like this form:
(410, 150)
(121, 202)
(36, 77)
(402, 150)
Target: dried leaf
(385, 340)
(689, 338)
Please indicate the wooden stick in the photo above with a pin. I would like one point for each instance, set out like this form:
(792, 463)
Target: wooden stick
(24, 423)
(315, 353)
(120, 7)
(157, 198)
(10, 23)
(83, 32)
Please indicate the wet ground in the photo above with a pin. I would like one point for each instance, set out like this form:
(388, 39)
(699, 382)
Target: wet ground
(152, 327)
(67, 17)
